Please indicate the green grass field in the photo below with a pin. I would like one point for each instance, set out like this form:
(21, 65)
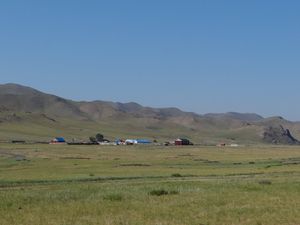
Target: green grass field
(76, 185)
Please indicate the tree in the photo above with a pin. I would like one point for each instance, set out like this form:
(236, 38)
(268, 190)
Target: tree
(99, 137)
(93, 139)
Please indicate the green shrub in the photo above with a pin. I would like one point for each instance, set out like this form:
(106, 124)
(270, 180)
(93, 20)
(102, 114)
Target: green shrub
(176, 175)
(265, 182)
(161, 192)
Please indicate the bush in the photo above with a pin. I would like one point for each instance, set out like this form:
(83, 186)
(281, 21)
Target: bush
(99, 137)
(265, 182)
(176, 175)
(161, 192)
(93, 140)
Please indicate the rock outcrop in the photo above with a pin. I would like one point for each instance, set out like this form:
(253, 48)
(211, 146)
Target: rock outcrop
(279, 135)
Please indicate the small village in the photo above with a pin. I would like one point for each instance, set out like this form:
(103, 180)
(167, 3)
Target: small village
(100, 140)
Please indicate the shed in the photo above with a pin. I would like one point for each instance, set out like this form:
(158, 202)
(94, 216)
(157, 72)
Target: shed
(182, 141)
(58, 140)
(143, 141)
(130, 142)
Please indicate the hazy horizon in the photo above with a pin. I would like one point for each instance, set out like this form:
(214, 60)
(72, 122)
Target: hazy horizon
(200, 56)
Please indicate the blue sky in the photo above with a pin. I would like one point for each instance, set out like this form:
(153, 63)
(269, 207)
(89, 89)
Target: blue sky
(202, 56)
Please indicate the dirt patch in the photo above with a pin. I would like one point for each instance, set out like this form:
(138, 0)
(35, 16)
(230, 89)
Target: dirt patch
(75, 158)
(205, 161)
(186, 155)
(136, 164)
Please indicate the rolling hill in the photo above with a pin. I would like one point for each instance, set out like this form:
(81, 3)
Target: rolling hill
(26, 113)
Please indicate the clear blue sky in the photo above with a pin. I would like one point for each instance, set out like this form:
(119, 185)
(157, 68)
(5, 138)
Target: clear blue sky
(201, 55)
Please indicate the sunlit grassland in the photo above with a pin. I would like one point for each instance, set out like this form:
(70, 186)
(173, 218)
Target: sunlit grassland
(49, 184)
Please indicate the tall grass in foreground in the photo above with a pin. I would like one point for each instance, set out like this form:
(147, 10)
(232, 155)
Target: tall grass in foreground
(178, 202)
(145, 186)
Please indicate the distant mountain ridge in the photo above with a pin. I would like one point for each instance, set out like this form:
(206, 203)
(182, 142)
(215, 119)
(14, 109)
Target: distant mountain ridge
(22, 98)
(30, 106)
(251, 117)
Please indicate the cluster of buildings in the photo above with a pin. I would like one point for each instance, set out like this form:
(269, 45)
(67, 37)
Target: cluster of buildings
(132, 141)
(178, 142)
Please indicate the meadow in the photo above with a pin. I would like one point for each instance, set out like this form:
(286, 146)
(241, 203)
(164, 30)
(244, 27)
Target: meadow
(151, 185)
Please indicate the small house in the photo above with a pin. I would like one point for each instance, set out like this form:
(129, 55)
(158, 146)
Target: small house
(120, 142)
(182, 141)
(58, 140)
(143, 141)
(137, 141)
(131, 142)
(222, 144)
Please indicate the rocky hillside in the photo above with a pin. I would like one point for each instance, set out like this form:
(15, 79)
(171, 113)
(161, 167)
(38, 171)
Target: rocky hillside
(279, 135)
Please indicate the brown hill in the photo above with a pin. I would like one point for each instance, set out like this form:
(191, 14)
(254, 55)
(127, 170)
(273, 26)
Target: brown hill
(19, 98)
(250, 117)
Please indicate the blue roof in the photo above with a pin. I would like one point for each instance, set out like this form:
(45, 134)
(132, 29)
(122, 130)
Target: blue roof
(143, 141)
(60, 139)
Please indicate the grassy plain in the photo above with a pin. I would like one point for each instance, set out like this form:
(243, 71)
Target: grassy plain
(74, 185)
